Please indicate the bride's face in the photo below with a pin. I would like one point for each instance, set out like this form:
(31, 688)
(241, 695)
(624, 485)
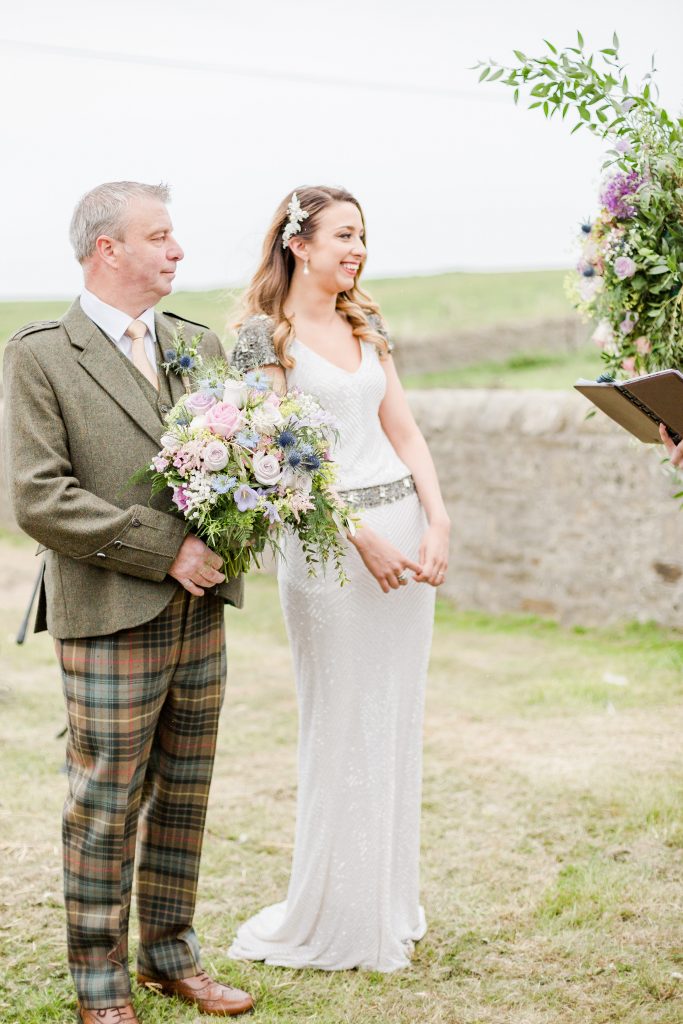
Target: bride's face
(337, 249)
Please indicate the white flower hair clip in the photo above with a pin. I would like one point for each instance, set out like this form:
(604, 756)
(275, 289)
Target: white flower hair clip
(296, 216)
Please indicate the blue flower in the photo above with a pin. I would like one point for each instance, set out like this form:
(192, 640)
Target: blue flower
(222, 483)
(587, 227)
(294, 458)
(285, 439)
(588, 271)
(257, 380)
(170, 355)
(311, 462)
(182, 421)
(186, 362)
(246, 440)
(245, 497)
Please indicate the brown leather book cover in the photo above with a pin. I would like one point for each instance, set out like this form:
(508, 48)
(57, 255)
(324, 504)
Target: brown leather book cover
(639, 405)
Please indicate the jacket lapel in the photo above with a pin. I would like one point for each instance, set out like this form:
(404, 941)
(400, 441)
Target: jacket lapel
(100, 359)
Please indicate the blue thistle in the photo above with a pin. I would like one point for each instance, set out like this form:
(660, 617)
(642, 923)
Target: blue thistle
(587, 227)
(588, 271)
(312, 462)
(170, 355)
(186, 362)
(294, 459)
(286, 439)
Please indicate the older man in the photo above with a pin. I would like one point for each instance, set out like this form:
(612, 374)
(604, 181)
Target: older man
(134, 603)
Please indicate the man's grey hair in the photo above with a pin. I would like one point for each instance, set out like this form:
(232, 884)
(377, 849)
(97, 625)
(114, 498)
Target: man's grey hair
(102, 211)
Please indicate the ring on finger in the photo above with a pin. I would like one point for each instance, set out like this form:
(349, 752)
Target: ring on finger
(402, 577)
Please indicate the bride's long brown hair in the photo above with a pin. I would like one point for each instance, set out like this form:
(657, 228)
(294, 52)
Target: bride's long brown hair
(269, 286)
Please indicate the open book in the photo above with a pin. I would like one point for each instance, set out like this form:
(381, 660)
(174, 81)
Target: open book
(641, 404)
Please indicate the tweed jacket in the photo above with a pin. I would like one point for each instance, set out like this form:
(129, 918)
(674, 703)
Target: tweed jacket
(78, 425)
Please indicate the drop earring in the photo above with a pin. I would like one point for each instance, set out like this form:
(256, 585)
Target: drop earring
(306, 270)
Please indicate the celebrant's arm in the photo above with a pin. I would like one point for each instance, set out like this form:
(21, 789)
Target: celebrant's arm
(400, 427)
(48, 501)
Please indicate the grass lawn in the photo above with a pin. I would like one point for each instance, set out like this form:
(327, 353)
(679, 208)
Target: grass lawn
(532, 370)
(413, 306)
(552, 827)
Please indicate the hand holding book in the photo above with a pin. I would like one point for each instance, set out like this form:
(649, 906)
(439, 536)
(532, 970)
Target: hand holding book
(641, 405)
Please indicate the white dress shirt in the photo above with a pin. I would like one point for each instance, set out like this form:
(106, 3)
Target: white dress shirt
(114, 323)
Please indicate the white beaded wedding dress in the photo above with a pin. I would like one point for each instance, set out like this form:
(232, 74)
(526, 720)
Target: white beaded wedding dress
(360, 661)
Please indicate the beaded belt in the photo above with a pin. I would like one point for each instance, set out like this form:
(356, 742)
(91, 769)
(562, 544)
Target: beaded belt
(381, 494)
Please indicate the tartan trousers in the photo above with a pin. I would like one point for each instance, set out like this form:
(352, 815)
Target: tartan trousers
(142, 712)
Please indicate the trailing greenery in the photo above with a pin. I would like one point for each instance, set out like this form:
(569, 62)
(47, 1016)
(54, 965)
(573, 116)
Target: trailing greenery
(630, 274)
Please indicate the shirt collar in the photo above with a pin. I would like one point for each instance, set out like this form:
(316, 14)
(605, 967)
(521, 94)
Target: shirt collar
(111, 320)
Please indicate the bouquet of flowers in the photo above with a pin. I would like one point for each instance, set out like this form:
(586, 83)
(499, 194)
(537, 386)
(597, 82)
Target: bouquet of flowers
(630, 271)
(244, 464)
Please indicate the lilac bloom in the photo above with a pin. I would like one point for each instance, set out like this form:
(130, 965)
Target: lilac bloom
(245, 497)
(271, 513)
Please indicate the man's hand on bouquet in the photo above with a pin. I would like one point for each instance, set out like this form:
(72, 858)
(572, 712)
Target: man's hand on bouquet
(196, 566)
(385, 562)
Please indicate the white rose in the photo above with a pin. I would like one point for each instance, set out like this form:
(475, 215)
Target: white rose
(197, 422)
(267, 468)
(235, 392)
(170, 442)
(215, 456)
(302, 482)
(266, 418)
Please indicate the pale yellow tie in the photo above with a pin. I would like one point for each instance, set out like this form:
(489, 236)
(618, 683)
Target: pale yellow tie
(136, 331)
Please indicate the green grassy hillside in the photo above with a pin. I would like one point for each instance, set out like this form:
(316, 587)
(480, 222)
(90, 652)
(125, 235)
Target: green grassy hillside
(413, 306)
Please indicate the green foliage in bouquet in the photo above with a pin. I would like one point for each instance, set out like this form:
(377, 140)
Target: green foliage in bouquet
(630, 271)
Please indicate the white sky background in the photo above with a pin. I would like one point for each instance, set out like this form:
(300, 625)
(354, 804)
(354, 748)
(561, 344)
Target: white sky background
(446, 182)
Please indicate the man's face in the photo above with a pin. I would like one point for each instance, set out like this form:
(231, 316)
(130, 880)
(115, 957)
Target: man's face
(147, 255)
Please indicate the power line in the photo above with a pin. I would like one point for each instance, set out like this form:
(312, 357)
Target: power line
(263, 74)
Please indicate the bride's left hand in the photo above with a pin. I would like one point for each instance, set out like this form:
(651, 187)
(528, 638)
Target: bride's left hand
(433, 555)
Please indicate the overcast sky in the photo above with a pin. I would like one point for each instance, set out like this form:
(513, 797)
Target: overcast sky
(375, 96)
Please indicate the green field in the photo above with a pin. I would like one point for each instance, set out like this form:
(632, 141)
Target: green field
(413, 306)
(552, 826)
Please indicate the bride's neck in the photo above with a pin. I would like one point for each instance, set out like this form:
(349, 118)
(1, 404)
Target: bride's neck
(309, 304)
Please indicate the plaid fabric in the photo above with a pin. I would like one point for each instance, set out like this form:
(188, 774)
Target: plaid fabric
(142, 707)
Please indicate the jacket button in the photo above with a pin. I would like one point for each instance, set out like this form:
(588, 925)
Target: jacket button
(118, 544)
(135, 521)
(101, 554)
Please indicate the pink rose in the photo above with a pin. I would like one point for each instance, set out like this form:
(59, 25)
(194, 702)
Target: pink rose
(215, 456)
(267, 468)
(224, 419)
(629, 364)
(199, 402)
(624, 267)
(643, 345)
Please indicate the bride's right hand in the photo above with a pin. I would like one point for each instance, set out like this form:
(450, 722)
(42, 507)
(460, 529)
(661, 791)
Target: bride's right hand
(382, 560)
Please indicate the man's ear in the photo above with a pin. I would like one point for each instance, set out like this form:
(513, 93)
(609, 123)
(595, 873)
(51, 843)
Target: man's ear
(105, 249)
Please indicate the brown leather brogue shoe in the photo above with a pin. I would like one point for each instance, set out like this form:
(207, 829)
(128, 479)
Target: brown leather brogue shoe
(108, 1015)
(207, 995)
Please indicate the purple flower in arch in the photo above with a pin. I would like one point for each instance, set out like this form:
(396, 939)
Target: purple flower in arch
(624, 267)
(628, 323)
(617, 191)
(245, 497)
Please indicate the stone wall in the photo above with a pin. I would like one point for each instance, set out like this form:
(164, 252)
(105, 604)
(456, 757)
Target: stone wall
(552, 513)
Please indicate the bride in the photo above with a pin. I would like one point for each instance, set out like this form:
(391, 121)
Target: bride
(360, 652)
